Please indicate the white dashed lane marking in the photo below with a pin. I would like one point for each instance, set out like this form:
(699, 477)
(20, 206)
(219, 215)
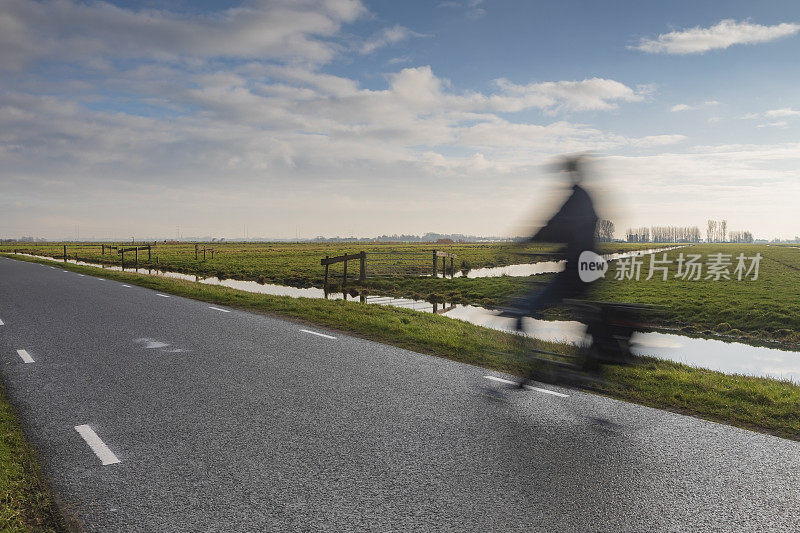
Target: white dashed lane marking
(318, 334)
(99, 448)
(529, 387)
(218, 309)
(25, 356)
(162, 295)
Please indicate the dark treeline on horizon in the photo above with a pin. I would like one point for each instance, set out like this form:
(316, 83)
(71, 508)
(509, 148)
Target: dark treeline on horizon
(664, 234)
(428, 237)
(717, 232)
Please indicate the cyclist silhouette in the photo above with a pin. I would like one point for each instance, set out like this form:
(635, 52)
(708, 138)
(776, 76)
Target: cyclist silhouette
(573, 225)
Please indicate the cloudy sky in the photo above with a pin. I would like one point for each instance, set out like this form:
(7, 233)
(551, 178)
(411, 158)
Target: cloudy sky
(337, 117)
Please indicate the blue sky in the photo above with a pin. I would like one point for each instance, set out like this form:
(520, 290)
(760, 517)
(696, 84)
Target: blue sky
(337, 117)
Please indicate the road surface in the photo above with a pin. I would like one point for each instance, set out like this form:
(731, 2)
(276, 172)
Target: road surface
(159, 413)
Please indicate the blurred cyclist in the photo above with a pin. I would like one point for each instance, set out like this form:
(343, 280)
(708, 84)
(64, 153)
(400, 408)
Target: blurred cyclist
(574, 226)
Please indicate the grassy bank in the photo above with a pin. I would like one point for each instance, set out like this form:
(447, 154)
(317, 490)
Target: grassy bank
(761, 404)
(25, 500)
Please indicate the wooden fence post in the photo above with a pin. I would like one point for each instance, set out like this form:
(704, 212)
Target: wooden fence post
(362, 275)
(435, 264)
(204, 253)
(149, 256)
(195, 252)
(344, 278)
(136, 260)
(65, 253)
(326, 277)
(122, 262)
(452, 270)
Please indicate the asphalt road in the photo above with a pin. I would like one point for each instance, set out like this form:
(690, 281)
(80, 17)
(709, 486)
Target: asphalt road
(206, 420)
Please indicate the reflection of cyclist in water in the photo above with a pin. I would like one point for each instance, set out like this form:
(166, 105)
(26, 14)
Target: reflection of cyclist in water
(574, 226)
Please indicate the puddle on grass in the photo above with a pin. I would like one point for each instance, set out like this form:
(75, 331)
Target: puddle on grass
(728, 357)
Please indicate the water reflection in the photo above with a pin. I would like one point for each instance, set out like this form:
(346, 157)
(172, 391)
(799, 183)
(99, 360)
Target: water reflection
(728, 357)
(549, 267)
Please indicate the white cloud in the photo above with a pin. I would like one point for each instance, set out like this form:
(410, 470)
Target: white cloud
(781, 124)
(584, 95)
(286, 120)
(471, 8)
(398, 60)
(656, 140)
(388, 36)
(68, 30)
(725, 33)
(686, 107)
(785, 112)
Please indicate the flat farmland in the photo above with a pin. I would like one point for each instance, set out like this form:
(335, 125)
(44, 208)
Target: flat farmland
(298, 264)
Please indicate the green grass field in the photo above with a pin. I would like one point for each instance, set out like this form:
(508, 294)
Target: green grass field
(765, 309)
(26, 504)
(298, 264)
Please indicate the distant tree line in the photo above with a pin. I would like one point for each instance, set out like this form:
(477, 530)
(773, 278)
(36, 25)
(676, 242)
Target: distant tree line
(24, 239)
(638, 234)
(664, 234)
(740, 236)
(428, 237)
(717, 230)
(675, 234)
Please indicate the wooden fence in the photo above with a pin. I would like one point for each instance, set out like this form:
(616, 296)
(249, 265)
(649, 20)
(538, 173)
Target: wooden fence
(445, 256)
(392, 264)
(204, 250)
(360, 257)
(134, 249)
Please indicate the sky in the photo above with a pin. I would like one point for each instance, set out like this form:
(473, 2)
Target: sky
(298, 118)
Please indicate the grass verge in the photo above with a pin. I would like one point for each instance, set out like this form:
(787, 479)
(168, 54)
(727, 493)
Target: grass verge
(760, 404)
(26, 503)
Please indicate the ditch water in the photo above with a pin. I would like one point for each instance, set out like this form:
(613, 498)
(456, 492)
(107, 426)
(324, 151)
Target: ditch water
(548, 267)
(728, 357)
